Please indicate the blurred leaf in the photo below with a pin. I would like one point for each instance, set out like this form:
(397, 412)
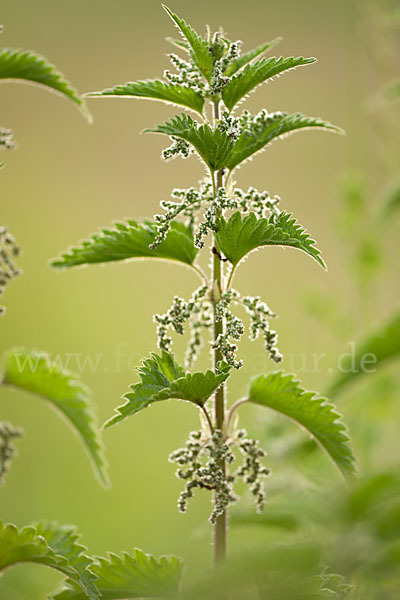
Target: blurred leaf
(200, 52)
(238, 236)
(334, 585)
(155, 90)
(271, 518)
(254, 74)
(214, 147)
(379, 347)
(392, 203)
(318, 416)
(34, 372)
(131, 240)
(27, 66)
(277, 126)
(30, 544)
(353, 209)
(136, 575)
(162, 378)
(368, 257)
(244, 59)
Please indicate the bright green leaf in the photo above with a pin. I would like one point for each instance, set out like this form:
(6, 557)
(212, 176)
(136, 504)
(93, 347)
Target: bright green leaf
(238, 236)
(244, 59)
(318, 416)
(52, 546)
(200, 52)
(162, 378)
(34, 372)
(278, 125)
(254, 74)
(376, 349)
(136, 575)
(130, 240)
(214, 147)
(24, 65)
(155, 90)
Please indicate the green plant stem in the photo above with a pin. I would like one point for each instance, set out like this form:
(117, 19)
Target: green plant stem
(233, 410)
(220, 527)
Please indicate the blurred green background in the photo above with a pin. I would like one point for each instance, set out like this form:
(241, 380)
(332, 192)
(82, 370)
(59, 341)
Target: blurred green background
(67, 179)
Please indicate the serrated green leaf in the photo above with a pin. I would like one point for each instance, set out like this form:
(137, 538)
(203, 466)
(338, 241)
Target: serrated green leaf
(318, 416)
(214, 147)
(199, 49)
(64, 541)
(34, 372)
(136, 575)
(162, 378)
(278, 125)
(244, 59)
(254, 74)
(155, 90)
(130, 240)
(25, 65)
(238, 236)
(52, 546)
(376, 349)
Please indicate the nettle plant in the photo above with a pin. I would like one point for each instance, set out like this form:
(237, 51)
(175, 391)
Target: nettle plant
(211, 79)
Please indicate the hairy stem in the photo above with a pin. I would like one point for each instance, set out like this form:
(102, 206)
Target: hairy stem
(220, 527)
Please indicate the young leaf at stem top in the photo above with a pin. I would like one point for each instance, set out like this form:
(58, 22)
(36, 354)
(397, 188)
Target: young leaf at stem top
(281, 392)
(24, 65)
(199, 49)
(162, 378)
(238, 236)
(34, 372)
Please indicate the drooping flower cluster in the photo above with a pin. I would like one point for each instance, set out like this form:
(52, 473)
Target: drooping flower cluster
(176, 317)
(233, 330)
(8, 253)
(260, 314)
(188, 74)
(186, 202)
(6, 139)
(179, 147)
(8, 433)
(203, 463)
